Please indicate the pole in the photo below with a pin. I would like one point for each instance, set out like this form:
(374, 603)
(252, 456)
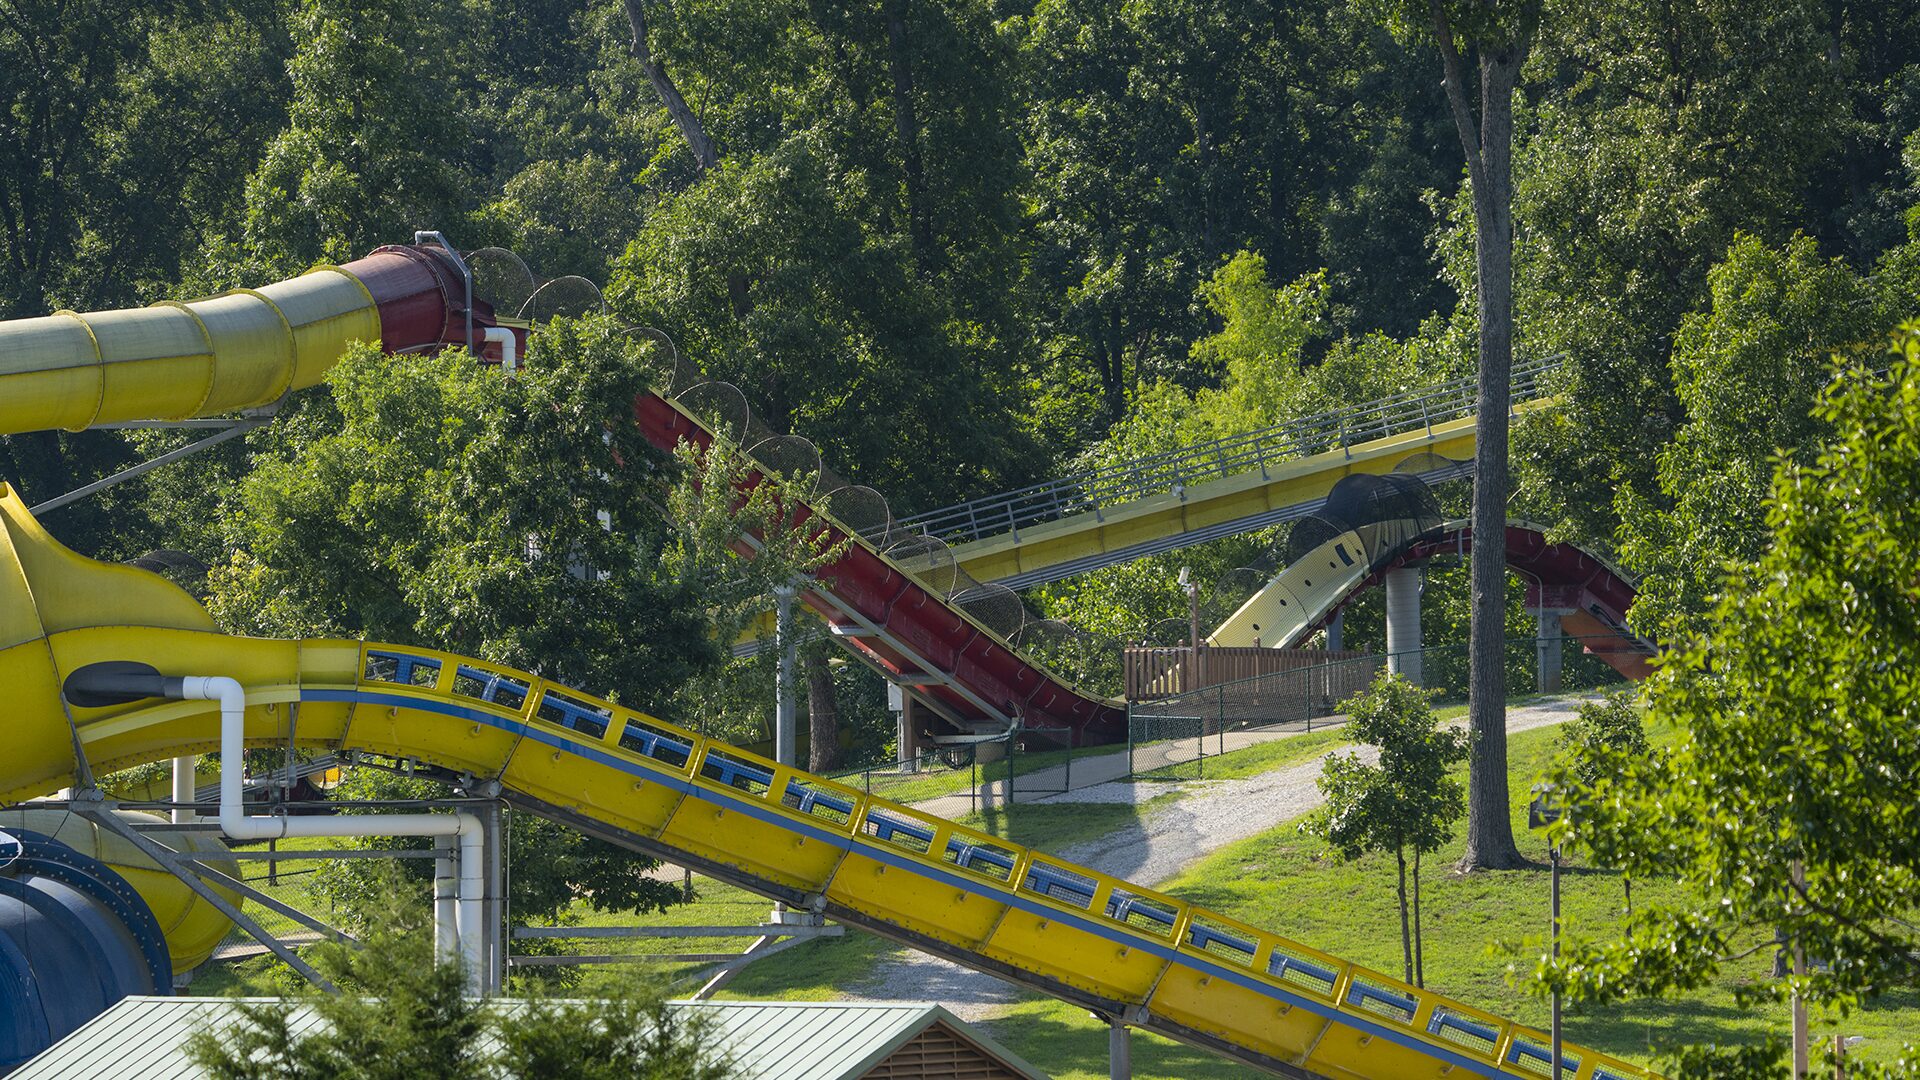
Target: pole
(1119, 1051)
(1800, 1055)
(183, 789)
(785, 709)
(1554, 852)
(1193, 632)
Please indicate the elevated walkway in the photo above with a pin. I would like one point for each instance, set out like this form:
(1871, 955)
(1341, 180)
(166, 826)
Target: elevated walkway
(1085, 521)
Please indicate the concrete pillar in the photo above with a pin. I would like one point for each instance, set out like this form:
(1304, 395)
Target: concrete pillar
(183, 789)
(1548, 646)
(1336, 632)
(785, 707)
(1403, 622)
(1119, 1052)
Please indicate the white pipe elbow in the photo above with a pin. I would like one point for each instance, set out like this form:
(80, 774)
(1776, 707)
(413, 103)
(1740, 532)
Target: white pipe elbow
(509, 347)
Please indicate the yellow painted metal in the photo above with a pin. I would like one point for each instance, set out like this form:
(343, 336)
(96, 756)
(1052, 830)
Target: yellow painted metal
(173, 361)
(1231, 498)
(774, 826)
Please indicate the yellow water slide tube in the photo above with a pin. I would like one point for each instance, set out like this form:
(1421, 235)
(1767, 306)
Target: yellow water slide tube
(240, 350)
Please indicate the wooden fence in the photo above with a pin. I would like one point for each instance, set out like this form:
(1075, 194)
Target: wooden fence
(1153, 672)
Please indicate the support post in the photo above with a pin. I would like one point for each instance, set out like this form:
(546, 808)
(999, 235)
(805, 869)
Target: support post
(446, 884)
(1119, 1051)
(494, 901)
(1403, 622)
(785, 707)
(1336, 632)
(1548, 646)
(1559, 1058)
(1801, 1044)
(906, 739)
(183, 790)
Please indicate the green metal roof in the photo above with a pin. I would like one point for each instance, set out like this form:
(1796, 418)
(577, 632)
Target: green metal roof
(143, 1038)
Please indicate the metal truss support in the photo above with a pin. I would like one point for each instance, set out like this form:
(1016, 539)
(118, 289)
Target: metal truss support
(231, 429)
(100, 812)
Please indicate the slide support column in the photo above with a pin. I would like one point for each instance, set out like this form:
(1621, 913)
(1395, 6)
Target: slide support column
(1119, 1050)
(183, 790)
(1548, 646)
(785, 709)
(1403, 622)
(1336, 632)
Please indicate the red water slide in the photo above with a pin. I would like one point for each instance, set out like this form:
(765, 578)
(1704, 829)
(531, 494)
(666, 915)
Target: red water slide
(934, 651)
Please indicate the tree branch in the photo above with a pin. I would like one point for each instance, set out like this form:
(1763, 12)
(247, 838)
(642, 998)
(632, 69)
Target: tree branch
(1455, 81)
(705, 156)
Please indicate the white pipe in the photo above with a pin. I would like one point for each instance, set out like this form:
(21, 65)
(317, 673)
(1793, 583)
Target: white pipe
(183, 789)
(239, 825)
(509, 347)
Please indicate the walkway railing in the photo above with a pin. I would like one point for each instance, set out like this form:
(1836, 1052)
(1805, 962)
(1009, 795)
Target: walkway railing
(1174, 737)
(1097, 489)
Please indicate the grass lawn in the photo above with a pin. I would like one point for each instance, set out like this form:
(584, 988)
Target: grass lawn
(1282, 881)
(1253, 760)
(927, 784)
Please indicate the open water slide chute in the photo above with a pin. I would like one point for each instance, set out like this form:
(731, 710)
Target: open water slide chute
(1145, 958)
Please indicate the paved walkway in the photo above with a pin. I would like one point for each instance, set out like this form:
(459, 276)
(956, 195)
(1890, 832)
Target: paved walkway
(1150, 850)
(1071, 779)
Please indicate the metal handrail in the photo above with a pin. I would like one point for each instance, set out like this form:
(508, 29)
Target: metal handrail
(1169, 471)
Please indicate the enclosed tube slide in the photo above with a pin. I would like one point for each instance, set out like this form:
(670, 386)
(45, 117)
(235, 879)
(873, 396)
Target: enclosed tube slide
(240, 350)
(1149, 960)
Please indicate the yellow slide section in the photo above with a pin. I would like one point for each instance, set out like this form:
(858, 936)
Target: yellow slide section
(1155, 961)
(173, 361)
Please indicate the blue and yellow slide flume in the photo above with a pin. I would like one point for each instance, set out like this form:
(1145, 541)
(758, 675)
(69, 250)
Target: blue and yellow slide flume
(1158, 962)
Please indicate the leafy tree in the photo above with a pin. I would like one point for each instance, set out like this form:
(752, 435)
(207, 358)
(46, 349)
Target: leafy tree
(373, 138)
(1406, 801)
(767, 276)
(1747, 373)
(129, 128)
(1665, 130)
(1603, 739)
(404, 1015)
(428, 500)
(1785, 804)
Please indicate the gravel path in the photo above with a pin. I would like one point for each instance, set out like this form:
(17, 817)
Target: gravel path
(1208, 815)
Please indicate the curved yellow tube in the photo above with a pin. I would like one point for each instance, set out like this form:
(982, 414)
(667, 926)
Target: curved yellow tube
(172, 361)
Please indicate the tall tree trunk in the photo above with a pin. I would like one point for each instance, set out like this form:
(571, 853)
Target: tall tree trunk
(906, 123)
(823, 715)
(705, 156)
(1406, 935)
(1419, 938)
(1489, 150)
